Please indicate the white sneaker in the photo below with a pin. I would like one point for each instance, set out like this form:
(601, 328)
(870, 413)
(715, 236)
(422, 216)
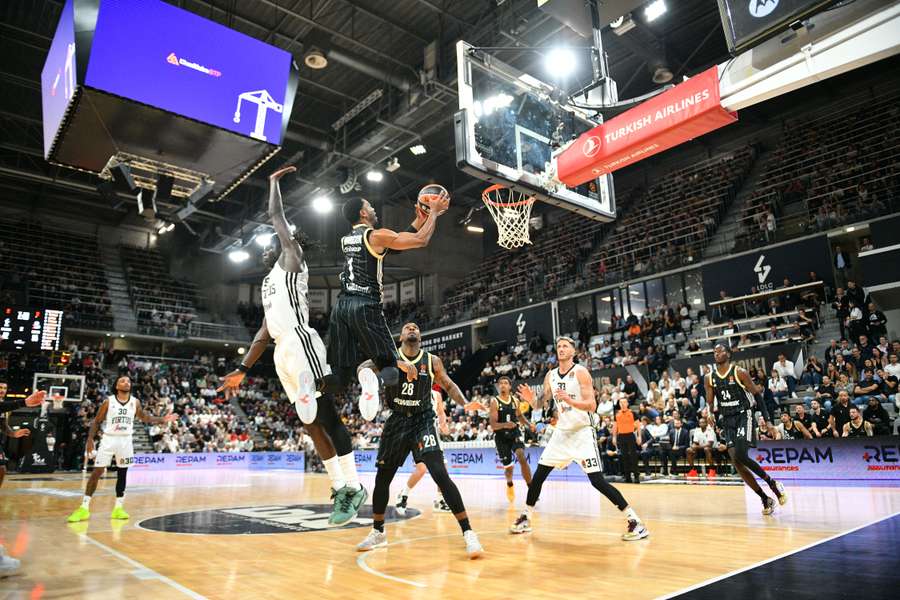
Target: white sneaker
(522, 525)
(400, 505)
(782, 495)
(369, 400)
(440, 505)
(375, 539)
(768, 506)
(473, 546)
(8, 565)
(636, 531)
(306, 403)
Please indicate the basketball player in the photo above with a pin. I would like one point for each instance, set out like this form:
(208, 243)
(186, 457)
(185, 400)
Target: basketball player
(300, 359)
(856, 427)
(572, 389)
(411, 428)
(9, 565)
(357, 330)
(440, 505)
(505, 421)
(732, 391)
(117, 413)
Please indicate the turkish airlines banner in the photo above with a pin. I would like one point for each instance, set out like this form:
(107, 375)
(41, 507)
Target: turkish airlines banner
(686, 111)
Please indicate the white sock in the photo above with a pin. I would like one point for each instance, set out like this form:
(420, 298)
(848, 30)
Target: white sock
(631, 515)
(527, 511)
(405, 491)
(335, 474)
(120, 502)
(86, 503)
(348, 466)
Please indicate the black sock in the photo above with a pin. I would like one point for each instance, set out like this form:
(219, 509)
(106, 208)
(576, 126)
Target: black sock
(509, 484)
(378, 525)
(464, 524)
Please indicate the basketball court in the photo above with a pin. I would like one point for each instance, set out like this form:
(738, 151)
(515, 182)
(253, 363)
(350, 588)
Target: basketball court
(209, 534)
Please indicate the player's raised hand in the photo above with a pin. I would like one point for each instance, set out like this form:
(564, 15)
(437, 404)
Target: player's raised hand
(169, 418)
(526, 393)
(441, 205)
(20, 433)
(474, 406)
(282, 172)
(36, 399)
(410, 370)
(231, 383)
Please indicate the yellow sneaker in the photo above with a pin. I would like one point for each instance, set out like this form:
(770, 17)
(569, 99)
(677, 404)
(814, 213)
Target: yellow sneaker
(510, 493)
(119, 513)
(80, 514)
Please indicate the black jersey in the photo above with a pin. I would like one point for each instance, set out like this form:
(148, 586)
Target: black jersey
(857, 431)
(413, 396)
(362, 272)
(731, 395)
(793, 433)
(506, 413)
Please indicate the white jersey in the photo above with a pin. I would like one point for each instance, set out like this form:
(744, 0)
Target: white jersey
(120, 417)
(569, 418)
(284, 300)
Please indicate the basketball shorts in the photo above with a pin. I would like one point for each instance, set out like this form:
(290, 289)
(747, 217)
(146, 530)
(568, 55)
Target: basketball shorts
(301, 361)
(404, 433)
(357, 331)
(738, 430)
(567, 446)
(120, 446)
(506, 448)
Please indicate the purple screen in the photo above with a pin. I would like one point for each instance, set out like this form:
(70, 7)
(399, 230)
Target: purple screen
(58, 76)
(160, 55)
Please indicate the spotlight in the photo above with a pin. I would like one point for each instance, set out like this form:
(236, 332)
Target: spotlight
(375, 176)
(146, 209)
(314, 59)
(322, 204)
(241, 350)
(654, 10)
(392, 165)
(238, 256)
(263, 239)
(560, 62)
(474, 229)
(418, 149)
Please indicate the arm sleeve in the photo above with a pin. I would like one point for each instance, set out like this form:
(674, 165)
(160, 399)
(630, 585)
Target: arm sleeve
(11, 405)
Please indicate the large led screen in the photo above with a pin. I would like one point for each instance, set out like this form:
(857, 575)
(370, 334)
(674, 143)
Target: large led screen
(58, 76)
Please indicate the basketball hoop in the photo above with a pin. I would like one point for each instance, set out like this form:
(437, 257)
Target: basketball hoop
(512, 212)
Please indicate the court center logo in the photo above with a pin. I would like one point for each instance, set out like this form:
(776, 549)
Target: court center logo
(762, 8)
(591, 146)
(258, 520)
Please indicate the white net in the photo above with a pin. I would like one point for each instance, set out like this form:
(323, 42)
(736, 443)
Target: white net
(511, 211)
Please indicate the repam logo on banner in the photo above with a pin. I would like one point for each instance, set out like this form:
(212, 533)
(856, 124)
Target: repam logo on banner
(884, 457)
(144, 461)
(790, 459)
(189, 460)
(462, 460)
(230, 459)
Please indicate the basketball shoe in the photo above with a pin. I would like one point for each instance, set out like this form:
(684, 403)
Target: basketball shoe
(522, 525)
(369, 400)
(473, 546)
(80, 514)
(400, 505)
(440, 505)
(768, 506)
(636, 531)
(375, 539)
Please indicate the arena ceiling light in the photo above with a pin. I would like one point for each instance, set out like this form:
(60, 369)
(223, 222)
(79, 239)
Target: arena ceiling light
(165, 228)
(560, 62)
(418, 149)
(474, 229)
(238, 255)
(322, 204)
(655, 9)
(374, 176)
(263, 239)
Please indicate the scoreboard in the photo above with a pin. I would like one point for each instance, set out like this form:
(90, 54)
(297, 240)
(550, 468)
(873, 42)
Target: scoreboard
(30, 330)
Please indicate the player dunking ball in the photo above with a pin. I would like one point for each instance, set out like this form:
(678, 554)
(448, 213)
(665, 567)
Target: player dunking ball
(300, 357)
(733, 392)
(505, 421)
(357, 330)
(411, 428)
(117, 413)
(573, 439)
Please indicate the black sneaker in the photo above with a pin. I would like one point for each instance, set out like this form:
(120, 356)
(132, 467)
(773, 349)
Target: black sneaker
(768, 506)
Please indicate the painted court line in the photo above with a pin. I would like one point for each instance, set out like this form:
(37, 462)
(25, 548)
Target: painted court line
(774, 558)
(147, 572)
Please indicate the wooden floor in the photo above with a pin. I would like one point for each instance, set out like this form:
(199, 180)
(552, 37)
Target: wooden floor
(697, 533)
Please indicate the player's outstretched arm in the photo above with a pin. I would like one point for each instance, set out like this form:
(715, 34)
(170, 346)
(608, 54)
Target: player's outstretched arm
(232, 381)
(148, 418)
(95, 425)
(443, 380)
(381, 239)
(36, 399)
(291, 252)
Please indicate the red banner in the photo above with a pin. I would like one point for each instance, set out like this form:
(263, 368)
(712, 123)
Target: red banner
(682, 113)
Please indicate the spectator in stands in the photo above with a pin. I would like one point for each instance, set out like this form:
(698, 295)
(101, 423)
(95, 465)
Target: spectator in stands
(813, 373)
(678, 442)
(631, 390)
(703, 439)
(876, 415)
(893, 366)
(889, 386)
(778, 387)
(688, 411)
(802, 416)
(791, 429)
(856, 293)
(876, 321)
(831, 351)
(765, 431)
(841, 265)
(786, 370)
(866, 388)
(840, 414)
(825, 393)
(659, 433)
(856, 423)
(841, 306)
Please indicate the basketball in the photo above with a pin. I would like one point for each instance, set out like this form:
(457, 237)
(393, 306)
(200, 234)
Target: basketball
(429, 194)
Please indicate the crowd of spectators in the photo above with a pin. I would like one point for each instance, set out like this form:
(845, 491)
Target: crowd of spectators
(163, 304)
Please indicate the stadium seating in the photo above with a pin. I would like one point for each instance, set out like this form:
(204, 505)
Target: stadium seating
(163, 305)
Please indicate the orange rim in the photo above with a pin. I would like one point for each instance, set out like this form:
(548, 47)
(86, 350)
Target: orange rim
(486, 197)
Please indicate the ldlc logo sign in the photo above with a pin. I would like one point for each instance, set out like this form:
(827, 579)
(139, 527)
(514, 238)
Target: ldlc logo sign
(762, 8)
(762, 272)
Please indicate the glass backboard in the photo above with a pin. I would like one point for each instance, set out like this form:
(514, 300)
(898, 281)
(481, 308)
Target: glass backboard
(509, 127)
